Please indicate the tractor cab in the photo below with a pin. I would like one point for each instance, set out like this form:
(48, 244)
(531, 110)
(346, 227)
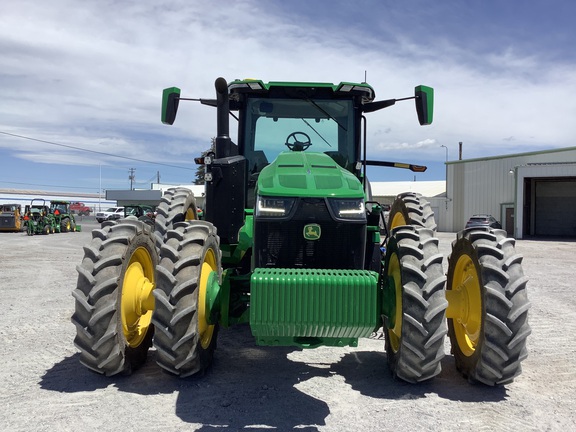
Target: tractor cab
(285, 119)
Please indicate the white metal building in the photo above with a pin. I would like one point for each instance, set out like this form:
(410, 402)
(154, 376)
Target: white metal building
(532, 194)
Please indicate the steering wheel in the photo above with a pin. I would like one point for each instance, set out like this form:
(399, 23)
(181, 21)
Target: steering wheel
(298, 145)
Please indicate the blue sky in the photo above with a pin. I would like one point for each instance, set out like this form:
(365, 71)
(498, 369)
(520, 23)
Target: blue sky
(89, 75)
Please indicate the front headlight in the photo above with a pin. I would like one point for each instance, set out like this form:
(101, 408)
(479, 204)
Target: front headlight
(273, 206)
(348, 208)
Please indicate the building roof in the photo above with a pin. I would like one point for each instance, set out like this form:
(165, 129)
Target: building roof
(514, 155)
(428, 189)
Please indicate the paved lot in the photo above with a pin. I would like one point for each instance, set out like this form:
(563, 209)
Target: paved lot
(43, 387)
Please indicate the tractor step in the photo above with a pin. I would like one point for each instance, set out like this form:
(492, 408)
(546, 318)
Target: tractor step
(312, 307)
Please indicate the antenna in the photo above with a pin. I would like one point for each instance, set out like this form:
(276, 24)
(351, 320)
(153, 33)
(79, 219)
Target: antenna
(365, 77)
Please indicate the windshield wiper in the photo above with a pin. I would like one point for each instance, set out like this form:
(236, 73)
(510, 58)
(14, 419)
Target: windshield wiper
(317, 133)
(323, 111)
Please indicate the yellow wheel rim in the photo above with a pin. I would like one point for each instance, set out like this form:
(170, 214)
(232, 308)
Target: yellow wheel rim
(190, 215)
(465, 305)
(398, 220)
(205, 331)
(395, 331)
(137, 300)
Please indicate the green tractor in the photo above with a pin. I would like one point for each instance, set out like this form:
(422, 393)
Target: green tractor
(293, 243)
(38, 218)
(63, 218)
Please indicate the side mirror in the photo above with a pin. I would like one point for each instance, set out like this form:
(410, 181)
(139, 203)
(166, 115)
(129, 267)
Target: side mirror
(170, 100)
(424, 97)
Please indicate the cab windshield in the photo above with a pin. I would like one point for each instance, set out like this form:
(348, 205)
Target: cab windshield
(328, 125)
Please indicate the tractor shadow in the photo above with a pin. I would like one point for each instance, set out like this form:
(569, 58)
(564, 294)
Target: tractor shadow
(249, 385)
(367, 372)
(246, 387)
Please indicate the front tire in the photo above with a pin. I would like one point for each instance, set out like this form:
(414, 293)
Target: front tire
(415, 327)
(488, 306)
(114, 304)
(184, 340)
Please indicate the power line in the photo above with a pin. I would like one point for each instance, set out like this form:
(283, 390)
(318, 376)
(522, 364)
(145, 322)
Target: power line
(95, 151)
(45, 185)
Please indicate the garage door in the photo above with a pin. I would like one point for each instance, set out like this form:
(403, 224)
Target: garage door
(555, 208)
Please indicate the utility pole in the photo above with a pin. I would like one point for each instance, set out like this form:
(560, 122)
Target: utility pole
(132, 177)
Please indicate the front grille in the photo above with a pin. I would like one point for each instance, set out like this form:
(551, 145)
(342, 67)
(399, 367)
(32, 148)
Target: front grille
(282, 243)
(6, 221)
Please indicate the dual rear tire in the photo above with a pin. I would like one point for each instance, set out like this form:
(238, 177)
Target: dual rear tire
(485, 300)
(131, 285)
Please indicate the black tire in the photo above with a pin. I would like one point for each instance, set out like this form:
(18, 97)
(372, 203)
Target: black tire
(411, 208)
(148, 221)
(488, 330)
(118, 265)
(46, 230)
(177, 205)
(185, 343)
(416, 327)
(65, 225)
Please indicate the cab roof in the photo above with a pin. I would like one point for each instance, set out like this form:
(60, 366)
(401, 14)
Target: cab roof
(344, 88)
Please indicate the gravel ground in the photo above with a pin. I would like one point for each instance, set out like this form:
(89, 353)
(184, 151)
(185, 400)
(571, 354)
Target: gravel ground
(43, 387)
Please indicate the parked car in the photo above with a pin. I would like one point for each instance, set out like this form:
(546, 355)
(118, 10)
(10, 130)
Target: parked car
(110, 214)
(483, 220)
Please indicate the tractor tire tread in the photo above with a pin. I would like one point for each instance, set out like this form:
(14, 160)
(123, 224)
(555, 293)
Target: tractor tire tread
(172, 209)
(423, 306)
(502, 344)
(177, 340)
(102, 346)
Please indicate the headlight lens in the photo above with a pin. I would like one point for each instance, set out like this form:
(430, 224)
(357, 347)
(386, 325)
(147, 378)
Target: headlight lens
(347, 208)
(273, 206)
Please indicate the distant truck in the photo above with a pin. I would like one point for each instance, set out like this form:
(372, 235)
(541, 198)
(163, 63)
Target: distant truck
(79, 208)
(111, 213)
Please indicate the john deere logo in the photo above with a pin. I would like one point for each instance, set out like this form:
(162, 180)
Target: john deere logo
(312, 232)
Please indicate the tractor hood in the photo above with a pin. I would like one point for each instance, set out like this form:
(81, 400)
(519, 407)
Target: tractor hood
(308, 174)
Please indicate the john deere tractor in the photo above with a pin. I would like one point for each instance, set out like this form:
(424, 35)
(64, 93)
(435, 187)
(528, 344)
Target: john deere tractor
(293, 243)
(63, 217)
(38, 218)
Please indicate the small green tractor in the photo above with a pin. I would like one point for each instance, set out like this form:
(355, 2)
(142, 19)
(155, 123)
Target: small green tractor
(38, 218)
(64, 220)
(293, 243)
